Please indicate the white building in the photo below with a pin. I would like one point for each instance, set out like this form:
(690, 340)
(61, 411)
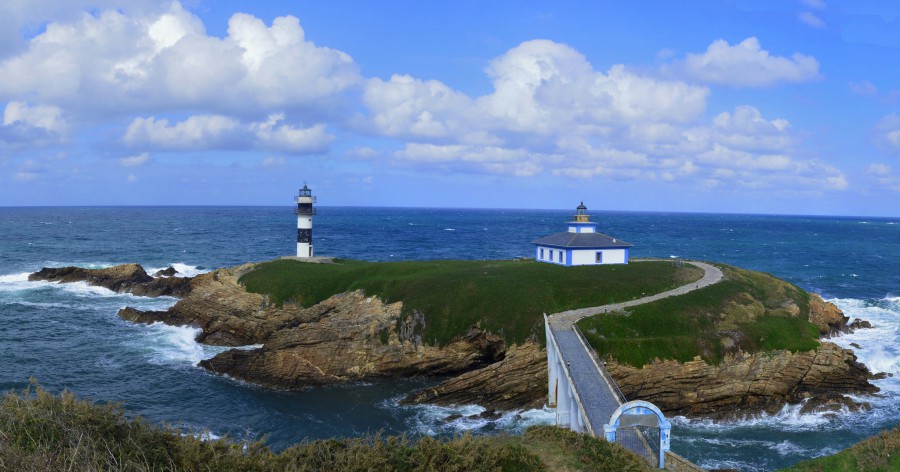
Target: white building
(581, 244)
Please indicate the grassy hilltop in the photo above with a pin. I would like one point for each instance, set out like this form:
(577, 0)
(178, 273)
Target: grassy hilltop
(751, 311)
(503, 297)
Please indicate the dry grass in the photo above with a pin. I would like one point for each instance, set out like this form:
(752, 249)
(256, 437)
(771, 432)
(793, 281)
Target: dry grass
(40, 431)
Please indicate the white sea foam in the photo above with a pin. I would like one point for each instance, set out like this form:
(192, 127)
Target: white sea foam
(13, 278)
(184, 270)
(432, 419)
(166, 344)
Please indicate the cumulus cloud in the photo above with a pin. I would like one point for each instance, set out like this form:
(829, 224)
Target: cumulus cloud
(166, 61)
(541, 89)
(552, 113)
(745, 64)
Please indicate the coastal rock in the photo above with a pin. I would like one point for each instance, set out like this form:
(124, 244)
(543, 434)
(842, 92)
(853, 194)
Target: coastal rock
(827, 316)
(351, 337)
(167, 272)
(860, 324)
(226, 313)
(743, 383)
(519, 381)
(124, 278)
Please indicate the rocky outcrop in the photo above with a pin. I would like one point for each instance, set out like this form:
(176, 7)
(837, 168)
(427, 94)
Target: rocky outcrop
(125, 278)
(827, 316)
(352, 337)
(744, 383)
(227, 314)
(518, 381)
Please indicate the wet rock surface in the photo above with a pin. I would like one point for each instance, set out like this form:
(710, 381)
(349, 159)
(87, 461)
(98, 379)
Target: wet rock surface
(125, 278)
(519, 381)
(745, 383)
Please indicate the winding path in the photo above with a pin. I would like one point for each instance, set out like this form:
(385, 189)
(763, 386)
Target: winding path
(597, 391)
(565, 319)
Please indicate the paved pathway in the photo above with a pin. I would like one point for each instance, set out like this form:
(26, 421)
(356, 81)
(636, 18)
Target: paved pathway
(597, 391)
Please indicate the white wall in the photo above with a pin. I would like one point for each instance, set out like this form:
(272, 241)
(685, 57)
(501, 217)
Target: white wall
(588, 256)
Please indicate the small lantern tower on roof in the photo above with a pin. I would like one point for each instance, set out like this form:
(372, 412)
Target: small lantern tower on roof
(305, 212)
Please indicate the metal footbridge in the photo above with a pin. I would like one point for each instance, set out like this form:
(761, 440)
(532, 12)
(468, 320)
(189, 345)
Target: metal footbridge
(587, 399)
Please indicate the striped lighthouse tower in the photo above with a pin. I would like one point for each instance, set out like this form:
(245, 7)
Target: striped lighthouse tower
(305, 212)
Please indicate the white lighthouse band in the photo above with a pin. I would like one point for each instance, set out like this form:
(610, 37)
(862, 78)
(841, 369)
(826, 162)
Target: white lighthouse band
(305, 212)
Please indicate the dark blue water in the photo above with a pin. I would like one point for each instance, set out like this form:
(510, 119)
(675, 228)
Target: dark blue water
(68, 336)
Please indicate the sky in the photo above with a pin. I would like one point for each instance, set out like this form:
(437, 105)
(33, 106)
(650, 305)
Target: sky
(756, 106)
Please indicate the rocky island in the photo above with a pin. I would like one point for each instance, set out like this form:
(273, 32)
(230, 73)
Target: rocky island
(754, 344)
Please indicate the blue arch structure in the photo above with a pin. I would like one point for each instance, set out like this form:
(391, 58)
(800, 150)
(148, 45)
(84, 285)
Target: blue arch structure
(639, 412)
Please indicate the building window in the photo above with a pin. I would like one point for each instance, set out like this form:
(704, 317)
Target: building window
(542, 253)
(599, 259)
(550, 256)
(560, 257)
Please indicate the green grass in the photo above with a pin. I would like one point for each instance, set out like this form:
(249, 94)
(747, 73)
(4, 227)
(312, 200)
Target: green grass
(503, 297)
(755, 311)
(880, 453)
(40, 431)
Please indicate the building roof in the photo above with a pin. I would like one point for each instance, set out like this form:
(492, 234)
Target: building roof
(581, 240)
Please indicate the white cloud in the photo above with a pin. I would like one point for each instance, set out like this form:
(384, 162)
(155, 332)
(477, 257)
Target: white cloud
(221, 132)
(551, 113)
(136, 160)
(131, 178)
(746, 64)
(272, 135)
(887, 132)
(196, 132)
(810, 19)
(114, 62)
(884, 176)
(541, 89)
(47, 118)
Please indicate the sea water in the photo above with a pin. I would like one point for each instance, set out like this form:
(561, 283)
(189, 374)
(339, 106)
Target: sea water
(67, 336)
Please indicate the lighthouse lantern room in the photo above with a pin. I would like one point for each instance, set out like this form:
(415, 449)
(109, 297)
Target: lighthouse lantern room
(305, 212)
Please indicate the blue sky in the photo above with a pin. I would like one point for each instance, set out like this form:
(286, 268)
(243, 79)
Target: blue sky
(776, 106)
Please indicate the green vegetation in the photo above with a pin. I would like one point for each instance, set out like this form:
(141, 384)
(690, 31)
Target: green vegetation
(503, 297)
(44, 432)
(751, 311)
(879, 453)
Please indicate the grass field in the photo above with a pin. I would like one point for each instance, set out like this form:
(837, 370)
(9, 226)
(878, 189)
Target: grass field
(42, 432)
(503, 297)
(748, 310)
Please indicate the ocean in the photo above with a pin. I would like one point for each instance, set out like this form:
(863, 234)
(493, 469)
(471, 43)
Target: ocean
(67, 336)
